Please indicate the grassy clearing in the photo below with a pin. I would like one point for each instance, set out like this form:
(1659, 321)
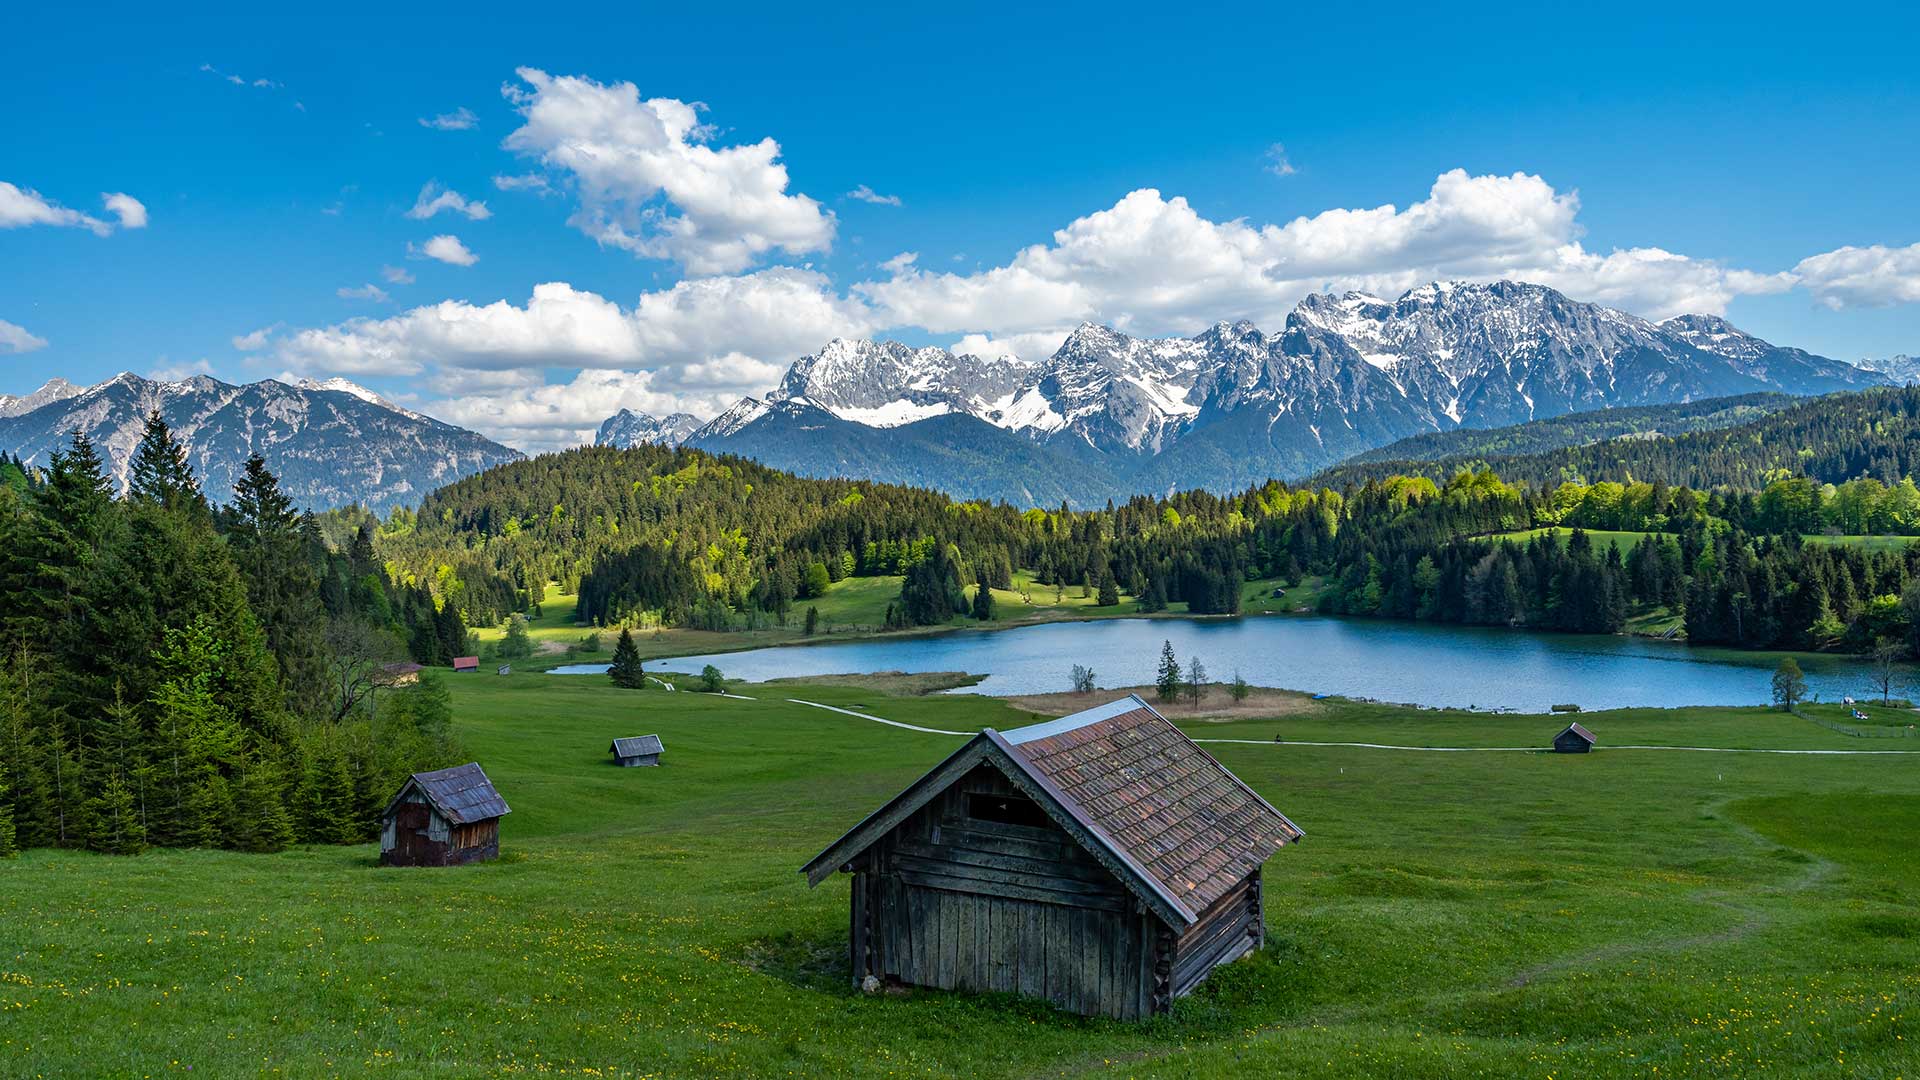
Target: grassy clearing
(1870, 543)
(1622, 540)
(1450, 915)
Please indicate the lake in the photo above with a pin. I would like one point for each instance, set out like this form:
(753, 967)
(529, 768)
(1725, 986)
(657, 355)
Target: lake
(1407, 662)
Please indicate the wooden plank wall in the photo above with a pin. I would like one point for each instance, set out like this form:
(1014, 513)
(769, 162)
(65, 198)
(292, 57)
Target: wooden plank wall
(1232, 927)
(958, 903)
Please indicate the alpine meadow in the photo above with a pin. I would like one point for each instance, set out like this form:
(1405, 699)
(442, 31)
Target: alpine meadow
(655, 543)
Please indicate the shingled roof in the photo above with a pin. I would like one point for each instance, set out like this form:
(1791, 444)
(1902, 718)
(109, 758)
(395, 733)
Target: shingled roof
(462, 794)
(1172, 822)
(637, 746)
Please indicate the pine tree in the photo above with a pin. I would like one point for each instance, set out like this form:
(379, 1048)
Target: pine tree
(983, 600)
(627, 671)
(260, 819)
(1109, 591)
(1167, 681)
(272, 547)
(113, 818)
(813, 621)
(158, 471)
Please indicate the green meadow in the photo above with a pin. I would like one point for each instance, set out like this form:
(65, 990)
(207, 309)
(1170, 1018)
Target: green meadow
(1490, 913)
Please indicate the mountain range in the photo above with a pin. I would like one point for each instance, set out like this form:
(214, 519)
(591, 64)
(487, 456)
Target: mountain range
(331, 443)
(627, 428)
(1109, 414)
(1902, 369)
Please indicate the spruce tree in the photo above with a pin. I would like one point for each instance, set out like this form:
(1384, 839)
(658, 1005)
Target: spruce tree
(983, 600)
(1109, 592)
(626, 670)
(516, 643)
(260, 818)
(158, 471)
(113, 818)
(1167, 680)
(272, 548)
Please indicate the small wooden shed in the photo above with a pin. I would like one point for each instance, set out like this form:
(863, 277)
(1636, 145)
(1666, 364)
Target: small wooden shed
(443, 818)
(1101, 861)
(1574, 740)
(637, 750)
(467, 663)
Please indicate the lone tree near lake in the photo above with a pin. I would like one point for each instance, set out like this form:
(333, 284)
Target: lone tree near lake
(1168, 679)
(1238, 689)
(1082, 679)
(1196, 681)
(1789, 685)
(1109, 591)
(1881, 666)
(712, 681)
(626, 670)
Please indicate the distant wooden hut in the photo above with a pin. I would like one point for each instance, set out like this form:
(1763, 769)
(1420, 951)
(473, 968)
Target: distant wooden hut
(400, 674)
(504, 669)
(467, 663)
(443, 818)
(637, 750)
(1574, 740)
(1102, 861)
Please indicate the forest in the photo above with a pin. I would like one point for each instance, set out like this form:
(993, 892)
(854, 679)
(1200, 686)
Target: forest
(178, 674)
(688, 539)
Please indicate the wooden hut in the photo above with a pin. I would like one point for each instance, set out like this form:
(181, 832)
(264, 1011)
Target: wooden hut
(637, 750)
(467, 663)
(1574, 740)
(1102, 861)
(443, 818)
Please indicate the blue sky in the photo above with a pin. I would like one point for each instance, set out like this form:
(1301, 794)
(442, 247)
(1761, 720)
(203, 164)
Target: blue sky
(1755, 163)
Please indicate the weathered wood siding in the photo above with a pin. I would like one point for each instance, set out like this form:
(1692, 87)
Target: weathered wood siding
(1569, 743)
(955, 902)
(1233, 927)
(637, 760)
(415, 834)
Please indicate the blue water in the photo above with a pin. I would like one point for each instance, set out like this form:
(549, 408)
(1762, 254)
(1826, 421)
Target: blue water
(1406, 662)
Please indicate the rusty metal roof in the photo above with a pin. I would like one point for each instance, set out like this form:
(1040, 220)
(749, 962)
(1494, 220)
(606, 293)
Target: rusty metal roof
(1157, 797)
(637, 745)
(462, 794)
(1577, 729)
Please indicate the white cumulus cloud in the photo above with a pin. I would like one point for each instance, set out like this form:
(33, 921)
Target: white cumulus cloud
(433, 198)
(21, 207)
(448, 249)
(130, 211)
(1875, 276)
(648, 182)
(16, 339)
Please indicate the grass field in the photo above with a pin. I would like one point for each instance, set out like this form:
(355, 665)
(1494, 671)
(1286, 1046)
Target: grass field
(1496, 914)
(1624, 541)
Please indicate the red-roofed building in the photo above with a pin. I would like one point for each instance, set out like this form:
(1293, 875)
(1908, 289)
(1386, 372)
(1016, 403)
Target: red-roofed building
(466, 663)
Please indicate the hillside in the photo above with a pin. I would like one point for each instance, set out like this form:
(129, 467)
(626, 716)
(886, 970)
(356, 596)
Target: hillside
(1832, 439)
(1577, 429)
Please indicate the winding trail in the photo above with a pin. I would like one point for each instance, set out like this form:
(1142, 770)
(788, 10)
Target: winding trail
(1420, 749)
(878, 720)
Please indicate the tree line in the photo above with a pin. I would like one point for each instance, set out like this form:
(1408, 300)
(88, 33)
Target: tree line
(178, 674)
